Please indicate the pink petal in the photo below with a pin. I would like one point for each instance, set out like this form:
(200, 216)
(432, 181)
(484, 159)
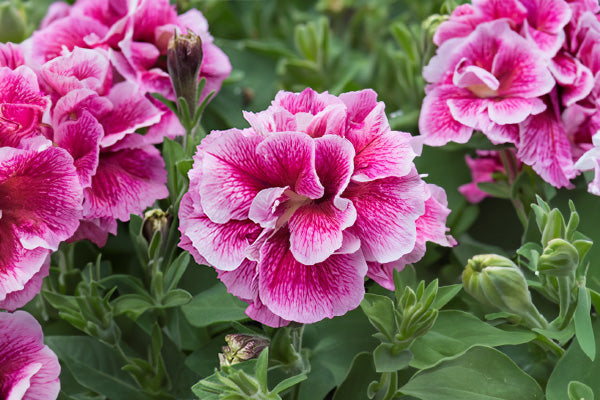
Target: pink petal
(308, 294)
(544, 145)
(126, 182)
(308, 101)
(232, 176)
(387, 212)
(82, 68)
(30, 369)
(19, 298)
(11, 55)
(469, 75)
(222, 245)
(40, 194)
(131, 111)
(96, 230)
(514, 110)
(436, 121)
(21, 105)
(81, 138)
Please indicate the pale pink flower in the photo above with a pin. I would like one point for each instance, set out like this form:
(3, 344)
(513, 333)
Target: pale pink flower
(489, 81)
(591, 161)
(28, 368)
(291, 210)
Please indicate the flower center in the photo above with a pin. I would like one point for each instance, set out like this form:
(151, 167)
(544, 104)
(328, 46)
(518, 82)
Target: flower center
(294, 202)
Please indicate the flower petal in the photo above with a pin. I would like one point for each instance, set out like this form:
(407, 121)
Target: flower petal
(307, 294)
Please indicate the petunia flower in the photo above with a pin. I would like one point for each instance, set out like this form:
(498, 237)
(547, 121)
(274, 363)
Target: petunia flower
(40, 206)
(291, 210)
(28, 368)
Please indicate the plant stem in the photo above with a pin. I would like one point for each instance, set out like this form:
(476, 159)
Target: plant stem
(549, 344)
(393, 386)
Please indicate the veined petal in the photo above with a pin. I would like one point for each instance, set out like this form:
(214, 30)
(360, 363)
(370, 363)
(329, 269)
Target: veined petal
(307, 294)
(387, 212)
(126, 182)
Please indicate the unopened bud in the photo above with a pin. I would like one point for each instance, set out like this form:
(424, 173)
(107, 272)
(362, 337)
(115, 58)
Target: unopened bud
(12, 23)
(560, 258)
(496, 281)
(241, 348)
(184, 56)
(554, 227)
(156, 221)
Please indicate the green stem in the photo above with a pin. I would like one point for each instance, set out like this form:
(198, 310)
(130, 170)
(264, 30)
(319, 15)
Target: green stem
(393, 386)
(510, 165)
(548, 344)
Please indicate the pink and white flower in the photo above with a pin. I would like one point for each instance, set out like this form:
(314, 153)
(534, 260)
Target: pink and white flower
(40, 206)
(134, 35)
(28, 368)
(490, 81)
(120, 170)
(291, 210)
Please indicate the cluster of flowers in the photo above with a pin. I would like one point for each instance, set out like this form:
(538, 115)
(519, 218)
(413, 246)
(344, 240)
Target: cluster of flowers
(525, 72)
(77, 134)
(295, 211)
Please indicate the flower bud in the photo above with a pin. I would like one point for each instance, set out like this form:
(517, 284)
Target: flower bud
(560, 258)
(554, 227)
(156, 221)
(496, 281)
(241, 348)
(184, 56)
(12, 23)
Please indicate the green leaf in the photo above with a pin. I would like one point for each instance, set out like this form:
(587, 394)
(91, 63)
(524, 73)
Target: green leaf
(133, 304)
(214, 305)
(175, 298)
(455, 332)
(288, 383)
(445, 294)
(358, 378)
(332, 345)
(95, 366)
(580, 391)
(501, 190)
(575, 365)
(583, 324)
(176, 270)
(479, 374)
(380, 311)
(386, 361)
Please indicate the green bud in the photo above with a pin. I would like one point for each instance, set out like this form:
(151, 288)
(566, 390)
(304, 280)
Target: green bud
(554, 227)
(241, 348)
(496, 281)
(184, 57)
(560, 258)
(13, 27)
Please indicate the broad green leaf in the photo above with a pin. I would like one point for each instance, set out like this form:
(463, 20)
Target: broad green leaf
(361, 373)
(176, 297)
(482, 373)
(332, 345)
(445, 294)
(575, 365)
(386, 361)
(96, 367)
(380, 312)
(133, 304)
(214, 305)
(580, 391)
(455, 332)
(583, 324)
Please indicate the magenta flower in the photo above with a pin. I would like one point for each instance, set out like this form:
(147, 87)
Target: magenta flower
(134, 35)
(96, 122)
(291, 210)
(40, 203)
(490, 81)
(483, 168)
(28, 368)
(541, 21)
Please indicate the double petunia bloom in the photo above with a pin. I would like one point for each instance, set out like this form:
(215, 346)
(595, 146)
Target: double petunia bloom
(524, 72)
(28, 369)
(296, 210)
